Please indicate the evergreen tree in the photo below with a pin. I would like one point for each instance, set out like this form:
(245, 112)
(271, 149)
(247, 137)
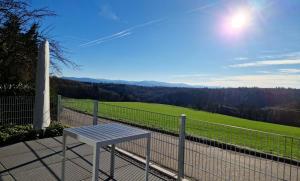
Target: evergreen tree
(20, 35)
(18, 53)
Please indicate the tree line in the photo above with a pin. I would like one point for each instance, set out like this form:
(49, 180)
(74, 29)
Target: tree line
(276, 105)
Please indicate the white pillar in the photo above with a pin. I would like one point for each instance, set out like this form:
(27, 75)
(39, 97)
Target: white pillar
(41, 116)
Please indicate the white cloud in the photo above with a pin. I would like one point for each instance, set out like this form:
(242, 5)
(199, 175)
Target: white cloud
(190, 75)
(107, 12)
(260, 80)
(289, 71)
(264, 72)
(289, 55)
(241, 58)
(266, 63)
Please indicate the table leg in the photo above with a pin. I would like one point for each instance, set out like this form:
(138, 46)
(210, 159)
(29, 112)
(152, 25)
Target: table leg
(112, 161)
(64, 157)
(96, 161)
(147, 157)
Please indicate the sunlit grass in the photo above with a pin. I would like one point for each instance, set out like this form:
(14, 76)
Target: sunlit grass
(267, 137)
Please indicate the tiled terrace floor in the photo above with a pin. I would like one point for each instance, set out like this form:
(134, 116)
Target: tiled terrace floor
(41, 160)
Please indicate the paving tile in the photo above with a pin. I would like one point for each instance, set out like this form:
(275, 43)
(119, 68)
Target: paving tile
(25, 161)
(2, 170)
(76, 150)
(132, 173)
(19, 148)
(6, 178)
(57, 142)
(53, 172)
(1, 167)
(70, 140)
(104, 161)
(124, 170)
(41, 160)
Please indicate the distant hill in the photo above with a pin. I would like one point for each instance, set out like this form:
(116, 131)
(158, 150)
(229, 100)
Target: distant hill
(137, 83)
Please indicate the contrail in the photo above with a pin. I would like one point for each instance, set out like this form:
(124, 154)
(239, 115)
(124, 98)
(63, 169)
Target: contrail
(115, 37)
(128, 31)
(105, 38)
(202, 7)
(120, 34)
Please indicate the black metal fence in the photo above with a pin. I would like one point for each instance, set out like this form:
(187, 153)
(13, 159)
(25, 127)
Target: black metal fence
(18, 110)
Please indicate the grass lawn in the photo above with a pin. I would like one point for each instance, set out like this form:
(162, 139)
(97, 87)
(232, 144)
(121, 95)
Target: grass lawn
(201, 123)
(211, 117)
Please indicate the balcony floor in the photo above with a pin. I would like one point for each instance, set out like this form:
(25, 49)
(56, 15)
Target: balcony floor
(41, 160)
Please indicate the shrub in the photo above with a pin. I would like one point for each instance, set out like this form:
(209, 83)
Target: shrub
(55, 129)
(16, 133)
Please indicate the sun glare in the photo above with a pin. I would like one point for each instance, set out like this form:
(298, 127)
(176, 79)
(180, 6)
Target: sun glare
(240, 20)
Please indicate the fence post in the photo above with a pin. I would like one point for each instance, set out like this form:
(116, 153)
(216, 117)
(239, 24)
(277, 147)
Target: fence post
(181, 147)
(95, 120)
(58, 107)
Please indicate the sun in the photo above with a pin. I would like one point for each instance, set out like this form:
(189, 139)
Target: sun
(239, 20)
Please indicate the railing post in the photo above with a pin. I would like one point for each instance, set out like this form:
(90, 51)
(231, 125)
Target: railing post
(95, 120)
(58, 107)
(181, 147)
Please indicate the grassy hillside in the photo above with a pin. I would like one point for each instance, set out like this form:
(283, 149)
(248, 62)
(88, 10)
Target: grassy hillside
(211, 117)
(219, 127)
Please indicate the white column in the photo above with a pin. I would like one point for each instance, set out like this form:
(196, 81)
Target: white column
(41, 117)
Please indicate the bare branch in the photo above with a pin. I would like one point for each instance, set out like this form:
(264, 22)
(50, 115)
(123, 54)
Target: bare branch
(27, 18)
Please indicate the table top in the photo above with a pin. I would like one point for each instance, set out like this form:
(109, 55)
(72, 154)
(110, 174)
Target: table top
(106, 134)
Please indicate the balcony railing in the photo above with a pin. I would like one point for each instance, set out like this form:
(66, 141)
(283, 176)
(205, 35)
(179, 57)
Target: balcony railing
(209, 151)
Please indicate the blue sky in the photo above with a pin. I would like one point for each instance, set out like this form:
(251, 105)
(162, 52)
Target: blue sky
(188, 41)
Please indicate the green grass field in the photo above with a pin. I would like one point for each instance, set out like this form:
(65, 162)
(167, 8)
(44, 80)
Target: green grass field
(267, 138)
